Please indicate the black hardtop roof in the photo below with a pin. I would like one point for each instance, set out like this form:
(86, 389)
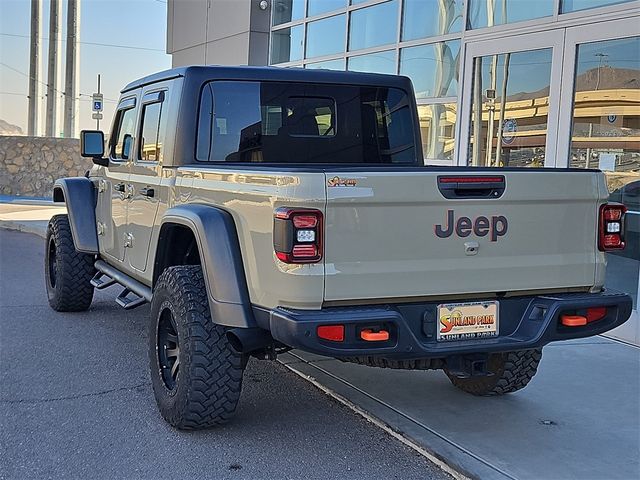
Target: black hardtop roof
(206, 73)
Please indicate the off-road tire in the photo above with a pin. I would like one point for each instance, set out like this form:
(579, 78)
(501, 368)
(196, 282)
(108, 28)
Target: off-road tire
(208, 381)
(67, 272)
(511, 371)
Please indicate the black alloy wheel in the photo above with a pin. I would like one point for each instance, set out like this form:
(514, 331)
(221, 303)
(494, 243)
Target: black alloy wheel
(168, 348)
(52, 263)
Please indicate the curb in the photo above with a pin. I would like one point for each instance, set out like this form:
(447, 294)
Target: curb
(11, 200)
(39, 230)
(433, 458)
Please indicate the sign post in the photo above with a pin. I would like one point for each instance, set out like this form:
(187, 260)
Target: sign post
(97, 104)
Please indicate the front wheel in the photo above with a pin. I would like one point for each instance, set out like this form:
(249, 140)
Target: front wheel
(68, 273)
(509, 372)
(195, 373)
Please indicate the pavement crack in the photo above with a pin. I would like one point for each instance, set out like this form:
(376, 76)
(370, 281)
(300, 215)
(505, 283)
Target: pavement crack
(36, 401)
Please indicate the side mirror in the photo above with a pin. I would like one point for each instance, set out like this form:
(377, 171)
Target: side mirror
(92, 146)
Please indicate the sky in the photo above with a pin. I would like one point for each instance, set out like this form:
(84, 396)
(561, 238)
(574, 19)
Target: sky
(138, 25)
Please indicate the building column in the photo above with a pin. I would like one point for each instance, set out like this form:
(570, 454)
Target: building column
(71, 117)
(55, 19)
(34, 68)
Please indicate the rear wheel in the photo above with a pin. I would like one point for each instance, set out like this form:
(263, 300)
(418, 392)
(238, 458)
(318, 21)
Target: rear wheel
(196, 375)
(68, 273)
(509, 372)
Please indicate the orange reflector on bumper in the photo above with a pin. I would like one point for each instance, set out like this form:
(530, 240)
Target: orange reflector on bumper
(371, 336)
(573, 320)
(335, 333)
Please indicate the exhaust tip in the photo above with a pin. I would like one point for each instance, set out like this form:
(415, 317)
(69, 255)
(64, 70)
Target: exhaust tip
(234, 341)
(247, 340)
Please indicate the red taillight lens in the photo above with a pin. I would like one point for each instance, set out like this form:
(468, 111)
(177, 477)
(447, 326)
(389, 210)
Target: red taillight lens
(611, 227)
(297, 235)
(612, 214)
(335, 333)
(305, 221)
(612, 241)
(305, 251)
(596, 313)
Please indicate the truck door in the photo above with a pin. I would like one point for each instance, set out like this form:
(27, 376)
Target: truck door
(113, 191)
(146, 174)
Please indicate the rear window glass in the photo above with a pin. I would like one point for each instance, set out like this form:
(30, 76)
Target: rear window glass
(274, 122)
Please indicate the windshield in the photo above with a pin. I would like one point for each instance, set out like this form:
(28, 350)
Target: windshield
(275, 122)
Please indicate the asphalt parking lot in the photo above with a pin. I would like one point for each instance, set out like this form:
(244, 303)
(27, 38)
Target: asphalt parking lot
(76, 402)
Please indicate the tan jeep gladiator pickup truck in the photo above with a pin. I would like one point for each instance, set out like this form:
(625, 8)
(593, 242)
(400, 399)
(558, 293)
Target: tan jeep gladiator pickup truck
(263, 209)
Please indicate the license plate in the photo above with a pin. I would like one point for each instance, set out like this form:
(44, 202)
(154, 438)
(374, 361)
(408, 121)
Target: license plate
(467, 321)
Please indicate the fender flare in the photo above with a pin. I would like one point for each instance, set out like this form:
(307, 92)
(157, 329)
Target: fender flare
(79, 194)
(221, 259)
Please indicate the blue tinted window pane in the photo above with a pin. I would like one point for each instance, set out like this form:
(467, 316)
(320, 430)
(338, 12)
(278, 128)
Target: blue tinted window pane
(438, 128)
(328, 64)
(573, 5)
(606, 115)
(316, 7)
(380, 62)
(326, 36)
(487, 13)
(432, 68)
(286, 44)
(504, 133)
(287, 10)
(426, 18)
(373, 26)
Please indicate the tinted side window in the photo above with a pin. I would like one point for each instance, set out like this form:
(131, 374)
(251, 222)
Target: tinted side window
(151, 140)
(205, 119)
(394, 126)
(122, 135)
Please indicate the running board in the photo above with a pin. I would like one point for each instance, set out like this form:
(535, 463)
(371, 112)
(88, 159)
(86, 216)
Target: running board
(126, 302)
(101, 281)
(134, 293)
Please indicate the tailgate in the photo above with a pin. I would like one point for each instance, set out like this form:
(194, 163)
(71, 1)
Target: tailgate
(389, 234)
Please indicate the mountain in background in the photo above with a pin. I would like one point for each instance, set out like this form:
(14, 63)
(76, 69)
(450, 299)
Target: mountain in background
(7, 128)
(610, 79)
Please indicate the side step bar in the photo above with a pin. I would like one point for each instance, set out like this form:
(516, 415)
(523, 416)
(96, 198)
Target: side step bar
(132, 288)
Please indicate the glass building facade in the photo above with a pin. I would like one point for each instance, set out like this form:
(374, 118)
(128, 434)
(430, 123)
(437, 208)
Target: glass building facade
(525, 83)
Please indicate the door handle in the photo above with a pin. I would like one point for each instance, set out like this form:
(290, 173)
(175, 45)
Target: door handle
(119, 187)
(147, 192)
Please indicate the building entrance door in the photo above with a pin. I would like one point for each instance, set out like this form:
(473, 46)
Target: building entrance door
(511, 106)
(600, 128)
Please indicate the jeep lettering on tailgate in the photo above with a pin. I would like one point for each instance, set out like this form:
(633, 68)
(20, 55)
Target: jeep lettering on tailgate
(497, 226)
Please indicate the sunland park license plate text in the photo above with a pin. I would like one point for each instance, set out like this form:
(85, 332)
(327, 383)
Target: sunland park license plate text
(463, 321)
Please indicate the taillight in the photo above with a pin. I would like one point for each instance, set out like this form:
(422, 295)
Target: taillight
(596, 313)
(297, 235)
(335, 333)
(611, 227)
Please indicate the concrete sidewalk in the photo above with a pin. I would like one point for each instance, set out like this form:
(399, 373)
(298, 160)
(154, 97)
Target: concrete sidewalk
(578, 419)
(28, 216)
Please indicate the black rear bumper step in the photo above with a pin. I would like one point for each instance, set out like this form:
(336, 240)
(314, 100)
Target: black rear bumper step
(525, 323)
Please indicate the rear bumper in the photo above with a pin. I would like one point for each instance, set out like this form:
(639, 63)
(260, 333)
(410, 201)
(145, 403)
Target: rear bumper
(525, 322)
